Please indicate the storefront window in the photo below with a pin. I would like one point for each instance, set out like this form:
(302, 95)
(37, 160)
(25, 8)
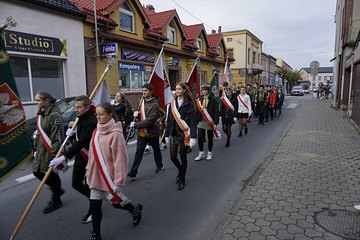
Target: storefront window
(21, 74)
(124, 81)
(136, 79)
(133, 76)
(47, 75)
(35, 74)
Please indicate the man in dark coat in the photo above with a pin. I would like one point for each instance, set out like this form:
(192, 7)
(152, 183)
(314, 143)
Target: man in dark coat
(148, 130)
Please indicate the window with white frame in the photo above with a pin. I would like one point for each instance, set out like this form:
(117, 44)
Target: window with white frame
(38, 74)
(199, 45)
(218, 50)
(171, 34)
(126, 18)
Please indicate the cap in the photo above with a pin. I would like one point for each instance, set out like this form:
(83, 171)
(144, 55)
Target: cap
(205, 87)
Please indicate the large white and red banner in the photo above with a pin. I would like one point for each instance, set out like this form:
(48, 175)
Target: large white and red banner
(161, 83)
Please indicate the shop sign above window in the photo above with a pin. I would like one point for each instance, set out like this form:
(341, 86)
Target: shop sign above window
(109, 50)
(129, 66)
(137, 56)
(31, 43)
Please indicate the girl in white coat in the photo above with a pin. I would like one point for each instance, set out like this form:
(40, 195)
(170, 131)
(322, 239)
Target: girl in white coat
(244, 110)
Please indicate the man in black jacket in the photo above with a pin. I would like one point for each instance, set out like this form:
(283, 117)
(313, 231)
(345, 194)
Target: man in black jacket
(79, 148)
(148, 130)
(209, 103)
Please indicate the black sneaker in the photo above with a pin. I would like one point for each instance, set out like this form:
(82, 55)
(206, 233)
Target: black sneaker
(240, 134)
(159, 169)
(52, 206)
(180, 186)
(189, 150)
(137, 214)
(246, 130)
(95, 236)
(131, 177)
(87, 218)
(227, 143)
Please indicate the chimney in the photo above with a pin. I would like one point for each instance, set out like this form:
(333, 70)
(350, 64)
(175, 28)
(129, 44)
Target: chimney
(213, 31)
(150, 7)
(219, 29)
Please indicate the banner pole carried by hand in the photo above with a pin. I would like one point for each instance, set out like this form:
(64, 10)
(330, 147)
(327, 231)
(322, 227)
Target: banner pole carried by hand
(141, 99)
(111, 62)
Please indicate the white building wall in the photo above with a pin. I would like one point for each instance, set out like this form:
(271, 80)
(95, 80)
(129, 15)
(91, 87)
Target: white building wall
(34, 20)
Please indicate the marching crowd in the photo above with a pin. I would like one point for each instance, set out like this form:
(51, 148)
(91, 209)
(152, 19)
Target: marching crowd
(99, 140)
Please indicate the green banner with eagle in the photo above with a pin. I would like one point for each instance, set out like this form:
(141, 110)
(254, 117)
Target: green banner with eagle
(15, 145)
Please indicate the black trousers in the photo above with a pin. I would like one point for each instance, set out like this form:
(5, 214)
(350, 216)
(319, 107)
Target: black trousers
(78, 177)
(53, 182)
(260, 108)
(140, 147)
(177, 142)
(201, 138)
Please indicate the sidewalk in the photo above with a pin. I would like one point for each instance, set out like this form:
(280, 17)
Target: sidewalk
(308, 188)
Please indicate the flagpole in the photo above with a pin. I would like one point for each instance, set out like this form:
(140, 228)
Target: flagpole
(141, 99)
(37, 192)
(193, 68)
(225, 74)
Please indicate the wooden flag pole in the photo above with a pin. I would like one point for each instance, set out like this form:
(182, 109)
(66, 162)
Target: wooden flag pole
(37, 192)
(141, 99)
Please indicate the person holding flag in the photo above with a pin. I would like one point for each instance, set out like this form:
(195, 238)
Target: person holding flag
(148, 127)
(244, 109)
(207, 118)
(181, 128)
(228, 117)
(107, 168)
(80, 147)
(49, 136)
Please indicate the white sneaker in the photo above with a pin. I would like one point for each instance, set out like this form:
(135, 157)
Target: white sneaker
(147, 149)
(209, 156)
(357, 207)
(200, 156)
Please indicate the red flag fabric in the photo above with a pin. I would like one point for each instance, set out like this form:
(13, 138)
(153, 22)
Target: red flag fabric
(194, 83)
(161, 84)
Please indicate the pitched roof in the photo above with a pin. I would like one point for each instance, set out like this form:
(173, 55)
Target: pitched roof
(193, 31)
(215, 39)
(158, 20)
(64, 6)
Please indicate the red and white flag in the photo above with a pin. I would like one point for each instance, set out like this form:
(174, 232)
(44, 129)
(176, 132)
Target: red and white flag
(224, 98)
(102, 94)
(161, 83)
(193, 81)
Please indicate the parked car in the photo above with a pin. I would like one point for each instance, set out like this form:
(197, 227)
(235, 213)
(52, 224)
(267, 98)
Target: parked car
(297, 90)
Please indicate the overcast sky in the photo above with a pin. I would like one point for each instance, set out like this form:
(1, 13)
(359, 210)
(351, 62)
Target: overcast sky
(298, 31)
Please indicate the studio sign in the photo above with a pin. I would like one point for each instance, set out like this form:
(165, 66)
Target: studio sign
(30, 43)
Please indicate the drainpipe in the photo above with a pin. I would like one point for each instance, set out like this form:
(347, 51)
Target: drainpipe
(96, 31)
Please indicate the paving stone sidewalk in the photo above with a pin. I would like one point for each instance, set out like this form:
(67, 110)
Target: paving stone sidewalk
(316, 167)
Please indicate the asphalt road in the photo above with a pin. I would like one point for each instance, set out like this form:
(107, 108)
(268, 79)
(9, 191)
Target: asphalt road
(194, 213)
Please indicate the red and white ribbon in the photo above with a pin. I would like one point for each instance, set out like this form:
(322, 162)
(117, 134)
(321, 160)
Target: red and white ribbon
(205, 114)
(243, 103)
(227, 102)
(142, 110)
(182, 124)
(47, 142)
(100, 162)
(44, 137)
